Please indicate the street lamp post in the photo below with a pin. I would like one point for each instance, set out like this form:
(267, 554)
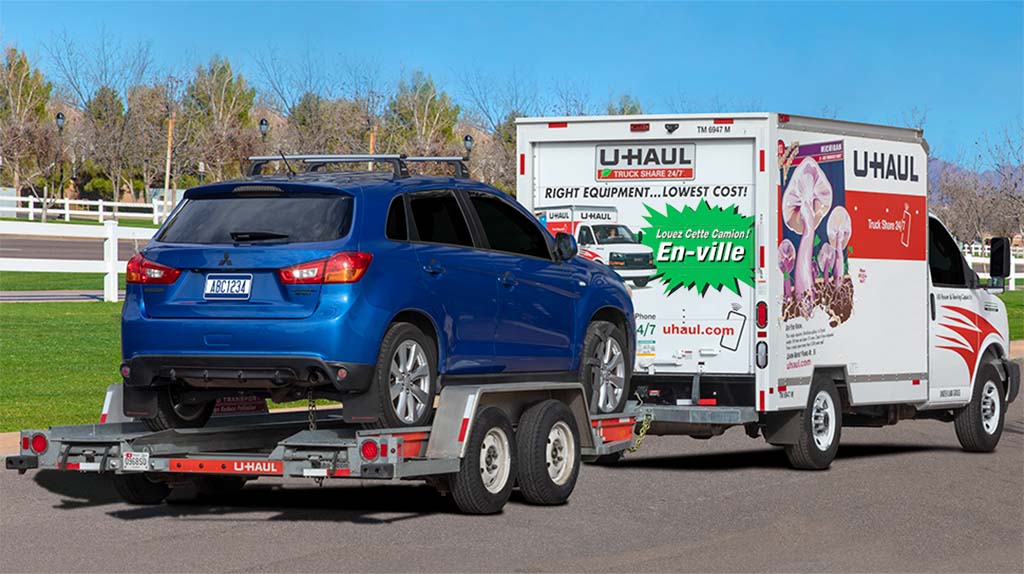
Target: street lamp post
(60, 150)
(467, 142)
(202, 172)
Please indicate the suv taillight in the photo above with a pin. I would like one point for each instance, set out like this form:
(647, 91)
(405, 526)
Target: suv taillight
(343, 267)
(142, 270)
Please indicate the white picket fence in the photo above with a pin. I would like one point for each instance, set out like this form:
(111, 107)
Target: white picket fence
(980, 265)
(67, 209)
(110, 265)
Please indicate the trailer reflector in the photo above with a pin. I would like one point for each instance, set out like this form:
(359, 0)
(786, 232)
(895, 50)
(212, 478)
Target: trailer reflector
(226, 466)
(707, 402)
(24, 443)
(760, 401)
(761, 161)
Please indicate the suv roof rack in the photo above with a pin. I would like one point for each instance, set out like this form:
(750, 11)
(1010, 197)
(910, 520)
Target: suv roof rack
(314, 162)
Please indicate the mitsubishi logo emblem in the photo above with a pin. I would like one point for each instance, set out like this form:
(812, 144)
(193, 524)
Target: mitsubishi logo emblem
(226, 260)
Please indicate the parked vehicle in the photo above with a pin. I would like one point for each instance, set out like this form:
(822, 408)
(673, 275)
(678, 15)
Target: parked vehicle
(800, 283)
(373, 288)
(602, 238)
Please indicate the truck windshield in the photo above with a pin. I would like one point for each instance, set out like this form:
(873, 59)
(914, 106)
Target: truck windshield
(285, 218)
(609, 234)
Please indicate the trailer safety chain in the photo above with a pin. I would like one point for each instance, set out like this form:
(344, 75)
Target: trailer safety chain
(645, 425)
(312, 409)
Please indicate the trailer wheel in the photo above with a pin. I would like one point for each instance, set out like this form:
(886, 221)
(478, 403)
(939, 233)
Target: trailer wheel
(485, 481)
(979, 425)
(820, 428)
(174, 413)
(549, 453)
(140, 489)
(605, 368)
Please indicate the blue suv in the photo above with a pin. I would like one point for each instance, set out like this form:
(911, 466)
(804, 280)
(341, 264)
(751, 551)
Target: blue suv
(370, 288)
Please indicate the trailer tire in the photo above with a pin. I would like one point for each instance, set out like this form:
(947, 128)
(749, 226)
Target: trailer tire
(488, 471)
(140, 489)
(172, 414)
(979, 425)
(404, 338)
(821, 425)
(600, 366)
(549, 453)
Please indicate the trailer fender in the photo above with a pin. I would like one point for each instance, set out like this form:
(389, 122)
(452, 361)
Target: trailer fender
(783, 427)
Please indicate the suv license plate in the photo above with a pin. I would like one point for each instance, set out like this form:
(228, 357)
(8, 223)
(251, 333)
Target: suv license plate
(135, 461)
(227, 286)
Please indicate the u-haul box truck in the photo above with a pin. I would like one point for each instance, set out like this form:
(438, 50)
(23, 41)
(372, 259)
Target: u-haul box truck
(602, 238)
(800, 283)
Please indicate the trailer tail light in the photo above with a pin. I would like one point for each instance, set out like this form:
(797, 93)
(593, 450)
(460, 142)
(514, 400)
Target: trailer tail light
(343, 267)
(762, 315)
(369, 450)
(144, 271)
(39, 444)
(640, 127)
(762, 354)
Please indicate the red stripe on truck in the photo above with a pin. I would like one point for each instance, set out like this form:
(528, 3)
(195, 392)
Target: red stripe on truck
(227, 466)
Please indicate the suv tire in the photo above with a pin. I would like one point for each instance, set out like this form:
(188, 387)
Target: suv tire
(407, 363)
(605, 366)
(171, 413)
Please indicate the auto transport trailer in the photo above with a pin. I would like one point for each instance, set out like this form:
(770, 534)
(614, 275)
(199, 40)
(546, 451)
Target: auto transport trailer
(484, 440)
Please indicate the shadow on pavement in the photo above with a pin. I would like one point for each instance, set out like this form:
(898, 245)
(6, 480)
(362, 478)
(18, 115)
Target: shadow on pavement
(770, 458)
(358, 505)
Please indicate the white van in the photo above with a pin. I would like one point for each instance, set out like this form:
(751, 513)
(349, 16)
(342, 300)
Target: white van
(602, 238)
(800, 282)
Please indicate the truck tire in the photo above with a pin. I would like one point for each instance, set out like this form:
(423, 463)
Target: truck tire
(140, 489)
(605, 368)
(488, 471)
(172, 413)
(821, 426)
(979, 425)
(548, 444)
(405, 377)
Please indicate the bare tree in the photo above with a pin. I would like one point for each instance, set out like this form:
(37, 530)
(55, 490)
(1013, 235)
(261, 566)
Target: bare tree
(24, 95)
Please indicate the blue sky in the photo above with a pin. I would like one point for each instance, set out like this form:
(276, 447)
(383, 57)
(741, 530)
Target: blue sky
(962, 62)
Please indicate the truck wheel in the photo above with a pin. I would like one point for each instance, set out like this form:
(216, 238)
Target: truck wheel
(173, 413)
(548, 443)
(980, 424)
(488, 471)
(140, 489)
(605, 368)
(405, 377)
(641, 282)
(821, 426)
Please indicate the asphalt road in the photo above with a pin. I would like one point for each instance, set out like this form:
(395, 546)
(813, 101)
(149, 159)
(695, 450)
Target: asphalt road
(44, 248)
(903, 498)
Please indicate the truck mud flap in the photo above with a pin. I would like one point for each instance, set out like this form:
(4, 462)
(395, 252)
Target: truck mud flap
(783, 428)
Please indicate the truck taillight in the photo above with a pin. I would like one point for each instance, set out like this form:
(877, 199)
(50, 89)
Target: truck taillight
(142, 270)
(762, 315)
(343, 267)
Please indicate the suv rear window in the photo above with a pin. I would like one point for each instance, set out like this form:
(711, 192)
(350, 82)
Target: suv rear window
(290, 218)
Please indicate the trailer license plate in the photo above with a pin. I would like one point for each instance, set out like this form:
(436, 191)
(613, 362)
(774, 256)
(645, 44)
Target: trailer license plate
(135, 461)
(227, 286)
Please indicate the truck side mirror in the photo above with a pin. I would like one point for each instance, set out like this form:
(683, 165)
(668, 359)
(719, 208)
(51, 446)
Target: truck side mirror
(640, 236)
(999, 261)
(565, 246)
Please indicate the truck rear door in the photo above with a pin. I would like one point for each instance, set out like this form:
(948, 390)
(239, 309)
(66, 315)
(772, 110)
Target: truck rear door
(688, 203)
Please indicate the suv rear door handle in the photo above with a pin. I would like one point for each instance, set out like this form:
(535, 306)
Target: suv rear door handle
(508, 279)
(434, 268)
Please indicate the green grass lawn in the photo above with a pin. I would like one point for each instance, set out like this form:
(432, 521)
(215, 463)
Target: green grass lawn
(53, 217)
(44, 281)
(56, 359)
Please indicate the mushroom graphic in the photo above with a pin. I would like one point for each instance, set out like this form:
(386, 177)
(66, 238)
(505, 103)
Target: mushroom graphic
(839, 230)
(787, 258)
(826, 261)
(807, 199)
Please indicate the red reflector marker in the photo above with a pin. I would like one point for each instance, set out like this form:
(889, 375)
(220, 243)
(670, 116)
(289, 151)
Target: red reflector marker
(707, 402)
(24, 443)
(558, 124)
(783, 118)
(761, 161)
(762, 314)
(639, 127)
(723, 121)
(39, 444)
(522, 164)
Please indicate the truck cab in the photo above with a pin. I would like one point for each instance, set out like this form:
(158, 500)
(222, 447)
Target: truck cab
(603, 239)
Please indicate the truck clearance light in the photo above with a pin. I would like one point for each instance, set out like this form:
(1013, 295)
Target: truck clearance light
(723, 121)
(558, 124)
(762, 315)
(639, 127)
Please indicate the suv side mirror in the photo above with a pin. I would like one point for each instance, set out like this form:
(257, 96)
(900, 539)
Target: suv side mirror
(999, 261)
(565, 246)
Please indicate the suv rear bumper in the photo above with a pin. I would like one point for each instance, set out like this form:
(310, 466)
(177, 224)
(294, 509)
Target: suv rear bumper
(247, 371)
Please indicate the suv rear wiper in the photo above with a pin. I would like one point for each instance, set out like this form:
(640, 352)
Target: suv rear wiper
(256, 235)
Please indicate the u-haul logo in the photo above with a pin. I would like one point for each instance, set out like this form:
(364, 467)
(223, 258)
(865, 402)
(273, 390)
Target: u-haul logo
(645, 162)
(558, 215)
(598, 216)
(256, 467)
